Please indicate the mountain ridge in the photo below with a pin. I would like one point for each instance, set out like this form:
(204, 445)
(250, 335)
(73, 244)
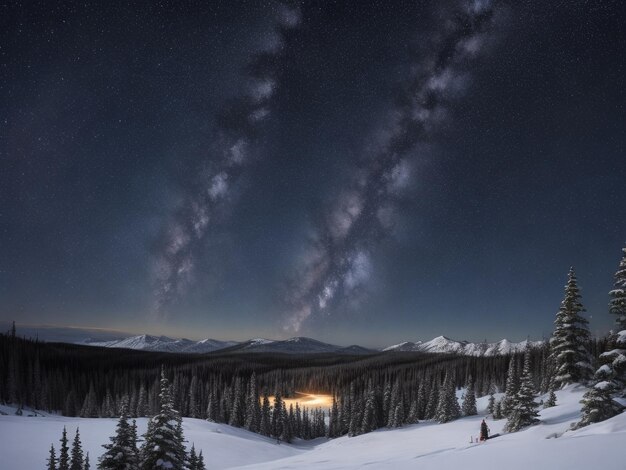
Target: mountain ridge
(305, 345)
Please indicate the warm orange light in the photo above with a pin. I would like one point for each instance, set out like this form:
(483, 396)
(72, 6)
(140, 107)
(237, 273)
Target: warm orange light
(309, 400)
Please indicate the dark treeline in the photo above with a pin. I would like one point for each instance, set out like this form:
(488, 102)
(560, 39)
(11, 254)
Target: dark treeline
(386, 389)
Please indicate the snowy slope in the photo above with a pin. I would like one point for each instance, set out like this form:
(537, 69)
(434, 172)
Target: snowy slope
(448, 447)
(26, 440)
(444, 345)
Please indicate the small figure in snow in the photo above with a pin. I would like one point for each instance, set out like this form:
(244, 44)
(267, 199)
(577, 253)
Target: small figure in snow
(484, 431)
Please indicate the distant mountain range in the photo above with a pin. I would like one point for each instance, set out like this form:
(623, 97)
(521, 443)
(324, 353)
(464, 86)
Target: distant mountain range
(441, 344)
(298, 345)
(303, 345)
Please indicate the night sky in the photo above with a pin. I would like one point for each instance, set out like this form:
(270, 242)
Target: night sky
(356, 171)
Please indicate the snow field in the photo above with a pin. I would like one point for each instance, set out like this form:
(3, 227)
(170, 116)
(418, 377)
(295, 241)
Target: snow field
(25, 442)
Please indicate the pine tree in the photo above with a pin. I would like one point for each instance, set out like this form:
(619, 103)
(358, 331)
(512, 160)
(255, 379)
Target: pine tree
(491, 406)
(433, 399)
(266, 426)
(64, 456)
(253, 408)
(142, 402)
(193, 459)
(238, 413)
(163, 441)
(334, 426)
(369, 412)
(194, 409)
(511, 388)
(52, 459)
(570, 339)
(469, 400)
(448, 406)
(277, 416)
(90, 405)
(551, 401)
(616, 358)
(497, 412)
(524, 408)
(200, 465)
(76, 462)
(413, 417)
(610, 378)
(86, 464)
(121, 453)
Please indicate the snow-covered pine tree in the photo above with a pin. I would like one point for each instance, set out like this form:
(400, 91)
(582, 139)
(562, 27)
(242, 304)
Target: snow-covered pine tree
(163, 441)
(200, 465)
(511, 388)
(570, 340)
(610, 378)
(497, 411)
(615, 359)
(433, 399)
(469, 399)
(192, 464)
(334, 426)
(287, 420)
(194, 406)
(64, 454)
(421, 401)
(551, 400)
(413, 418)
(238, 413)
(398, 416)
(76, 461)
(524, 410)
(52, 459)
(108, 407)
(253, 408)
(121, 453)
(448, 408)
(142, 402)
(277, 416)
(90, 405)
(491, 405)
(598, 403)
(266, 420)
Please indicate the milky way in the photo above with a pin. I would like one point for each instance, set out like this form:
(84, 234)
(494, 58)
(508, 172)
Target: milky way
(337, 265)
(210, 194)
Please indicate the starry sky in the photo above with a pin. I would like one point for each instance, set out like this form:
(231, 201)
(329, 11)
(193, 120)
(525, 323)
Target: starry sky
(359, 172)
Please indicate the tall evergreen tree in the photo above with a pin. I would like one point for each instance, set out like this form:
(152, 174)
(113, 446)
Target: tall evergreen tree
(469, 399)
(448, 408)
(76, 462)
(253, 408)
(570, 340)
(511, 388)
(491, 404)
(64, 454)
(193, 459)
(142, 402)
(277, 416)
(266, 420)
(613, 369)
(52, 459)
(163, 441)
(121, 453)
(86, 464)
(523, 411)
(610, 378)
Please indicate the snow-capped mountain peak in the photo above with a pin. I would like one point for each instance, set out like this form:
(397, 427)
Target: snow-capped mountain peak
(442, 344)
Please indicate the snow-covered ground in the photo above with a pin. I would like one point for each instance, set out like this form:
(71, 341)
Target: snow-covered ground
(25, 441)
